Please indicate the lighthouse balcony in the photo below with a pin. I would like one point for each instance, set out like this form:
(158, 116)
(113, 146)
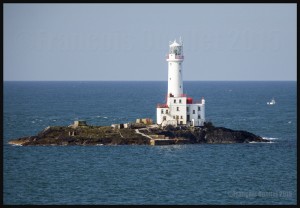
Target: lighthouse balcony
(181, 95)
(174, 57)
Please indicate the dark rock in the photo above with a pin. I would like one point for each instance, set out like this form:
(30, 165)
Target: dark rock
(105, 135)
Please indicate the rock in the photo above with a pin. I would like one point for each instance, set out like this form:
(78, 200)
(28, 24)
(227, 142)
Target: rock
(223, 135)
(106, 135)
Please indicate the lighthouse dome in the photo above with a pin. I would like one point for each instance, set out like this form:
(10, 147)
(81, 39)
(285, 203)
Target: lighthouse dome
(175, 44)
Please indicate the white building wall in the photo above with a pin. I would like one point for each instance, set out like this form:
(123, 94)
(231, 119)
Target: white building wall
(203, 111)
(177, 107)
(161, 113)
(159, 117)
(194, 113)
(176, 110)
(179, 110)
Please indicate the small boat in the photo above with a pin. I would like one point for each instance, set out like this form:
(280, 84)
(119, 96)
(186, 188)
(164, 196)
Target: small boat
(272, 102)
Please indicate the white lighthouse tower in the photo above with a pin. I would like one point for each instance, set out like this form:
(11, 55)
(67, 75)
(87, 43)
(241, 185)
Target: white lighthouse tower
(175, 59)
(179, 109)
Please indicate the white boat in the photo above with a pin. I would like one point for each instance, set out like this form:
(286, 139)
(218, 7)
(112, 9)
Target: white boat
(272, 102)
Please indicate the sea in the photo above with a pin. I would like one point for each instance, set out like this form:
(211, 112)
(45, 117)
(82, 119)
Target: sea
(190, 174)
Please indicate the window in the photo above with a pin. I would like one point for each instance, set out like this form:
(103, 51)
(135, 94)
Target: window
(180, 86)
(199, 108)
(199, 117)
(181, 122)
(179, 70)
(193, 111)
(166, 111)
(181, 117)
(177, 108)
(170, 78)
(177, 117)
(187, 109)
(174, 100)
(162, 111)
(164, 118)
(174, 117)
(180, 99)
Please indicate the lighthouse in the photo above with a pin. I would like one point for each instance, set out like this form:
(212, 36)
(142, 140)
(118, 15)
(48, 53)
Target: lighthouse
(175, 58)
(179, 109)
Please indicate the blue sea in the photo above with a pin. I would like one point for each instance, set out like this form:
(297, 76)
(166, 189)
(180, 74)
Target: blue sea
(254, 173)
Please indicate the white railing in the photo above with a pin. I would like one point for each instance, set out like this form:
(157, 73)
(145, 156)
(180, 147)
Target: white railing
(176, 57)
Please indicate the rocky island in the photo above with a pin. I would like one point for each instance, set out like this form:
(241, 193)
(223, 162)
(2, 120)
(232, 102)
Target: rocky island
(136, 134)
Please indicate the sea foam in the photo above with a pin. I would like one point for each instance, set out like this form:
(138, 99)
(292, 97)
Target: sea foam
(270, 138)
(253, 142)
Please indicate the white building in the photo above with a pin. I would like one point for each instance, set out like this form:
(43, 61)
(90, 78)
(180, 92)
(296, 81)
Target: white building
(179, 109)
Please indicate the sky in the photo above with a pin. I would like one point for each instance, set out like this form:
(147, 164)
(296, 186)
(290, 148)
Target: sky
(116, 42)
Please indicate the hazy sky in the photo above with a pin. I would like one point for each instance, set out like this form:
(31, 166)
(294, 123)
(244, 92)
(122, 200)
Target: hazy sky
(130, 41)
